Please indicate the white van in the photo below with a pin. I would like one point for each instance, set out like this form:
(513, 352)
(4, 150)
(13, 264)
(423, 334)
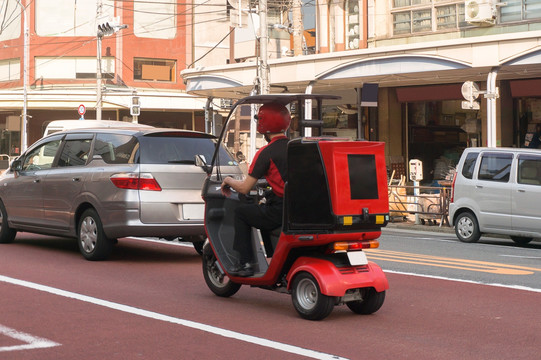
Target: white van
(497, 191)
(61, 125)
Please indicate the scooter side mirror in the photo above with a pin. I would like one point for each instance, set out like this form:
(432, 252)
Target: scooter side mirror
(202, 163)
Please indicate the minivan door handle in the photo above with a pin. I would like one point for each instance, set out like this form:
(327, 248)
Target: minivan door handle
(479, 186)
(37, 180)
(521, 190)
(76, 179)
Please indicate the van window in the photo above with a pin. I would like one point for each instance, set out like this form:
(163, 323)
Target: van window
(529, 170)
(75, 152)
(168, 148)
(495, 167)
(469, 165)
(41, 157)
(116, 149)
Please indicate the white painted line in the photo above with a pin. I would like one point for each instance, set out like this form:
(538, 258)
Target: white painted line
(187, 323)
(521, 256)
(31, 342)
(515, 287)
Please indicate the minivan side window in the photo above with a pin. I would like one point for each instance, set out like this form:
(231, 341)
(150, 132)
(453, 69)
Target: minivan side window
(495, 167)
(469, 165)
(116, 148)
(41, 157)
(75, 152)
(529, 170)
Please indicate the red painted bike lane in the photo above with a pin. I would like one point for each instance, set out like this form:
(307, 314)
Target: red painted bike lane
(422, 318)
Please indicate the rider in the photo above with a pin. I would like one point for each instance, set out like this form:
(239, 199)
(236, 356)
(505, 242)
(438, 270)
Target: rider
(273, 120)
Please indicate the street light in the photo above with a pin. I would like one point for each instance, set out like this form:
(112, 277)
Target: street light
(24, 141)
(105, 29)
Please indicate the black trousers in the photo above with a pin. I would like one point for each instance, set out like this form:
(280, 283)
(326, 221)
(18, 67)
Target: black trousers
(265, 217)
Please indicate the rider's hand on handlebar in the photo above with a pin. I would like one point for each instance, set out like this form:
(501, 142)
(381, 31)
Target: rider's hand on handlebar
(226, 188)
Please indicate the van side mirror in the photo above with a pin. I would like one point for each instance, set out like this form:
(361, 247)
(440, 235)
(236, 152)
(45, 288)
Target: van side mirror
(202, 163)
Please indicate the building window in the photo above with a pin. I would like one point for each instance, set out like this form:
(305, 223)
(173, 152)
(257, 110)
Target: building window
(154, 70)
(156, 19)
(73, 67)
(69, 18)
(10, 70)
(422, 16)
(517, 10)
(352, 24)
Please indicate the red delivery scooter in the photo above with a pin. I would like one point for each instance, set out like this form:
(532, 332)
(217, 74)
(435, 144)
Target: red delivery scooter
(335, 205)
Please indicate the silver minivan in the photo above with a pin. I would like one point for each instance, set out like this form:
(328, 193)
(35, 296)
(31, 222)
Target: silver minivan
(99, 185)
(498, 191)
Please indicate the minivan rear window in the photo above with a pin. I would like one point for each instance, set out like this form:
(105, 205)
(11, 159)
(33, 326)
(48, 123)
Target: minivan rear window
(169, 149)
(116, 148)
(495, 167)
(469, 165)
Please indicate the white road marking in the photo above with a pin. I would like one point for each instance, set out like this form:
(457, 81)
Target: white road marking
(187, 323)
(515, 287)
(521, 256)
(30, 341)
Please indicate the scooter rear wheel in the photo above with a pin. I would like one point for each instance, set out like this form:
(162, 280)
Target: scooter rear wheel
(216, 280)
(372, 302)
(308, 300)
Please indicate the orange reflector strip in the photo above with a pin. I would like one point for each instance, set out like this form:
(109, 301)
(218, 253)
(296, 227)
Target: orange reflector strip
(380, 219)
(348, 220)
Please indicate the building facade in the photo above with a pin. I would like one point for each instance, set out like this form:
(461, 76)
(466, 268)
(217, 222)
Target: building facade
(49, 65)
(419, 53)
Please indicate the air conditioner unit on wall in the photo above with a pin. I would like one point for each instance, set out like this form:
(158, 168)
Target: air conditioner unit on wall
(480, 12)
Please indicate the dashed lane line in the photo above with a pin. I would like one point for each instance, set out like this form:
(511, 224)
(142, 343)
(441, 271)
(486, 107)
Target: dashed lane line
(166, 318)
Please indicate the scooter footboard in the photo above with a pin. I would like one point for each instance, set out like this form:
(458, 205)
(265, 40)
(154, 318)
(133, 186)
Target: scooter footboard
(334, 281)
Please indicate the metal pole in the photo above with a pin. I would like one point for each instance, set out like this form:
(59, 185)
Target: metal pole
(24, 120)
(98, 77)
(263, 40)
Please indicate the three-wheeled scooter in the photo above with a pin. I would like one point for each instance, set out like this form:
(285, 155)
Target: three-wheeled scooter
(335, 205)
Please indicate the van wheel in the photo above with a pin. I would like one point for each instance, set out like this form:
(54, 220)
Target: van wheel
(93, 243)
(308, 300)
(467, 228)
(521, 240)
(7, 234)
(371, 302)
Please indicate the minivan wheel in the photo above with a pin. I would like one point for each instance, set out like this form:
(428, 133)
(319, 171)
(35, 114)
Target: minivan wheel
(467, 228)
(93, 243)
(7, 234)
(521, 240)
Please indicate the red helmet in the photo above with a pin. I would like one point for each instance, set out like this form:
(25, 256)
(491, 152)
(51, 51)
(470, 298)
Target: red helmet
(273, 118)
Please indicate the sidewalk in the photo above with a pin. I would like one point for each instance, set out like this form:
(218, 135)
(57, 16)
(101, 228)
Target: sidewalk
(410, 225)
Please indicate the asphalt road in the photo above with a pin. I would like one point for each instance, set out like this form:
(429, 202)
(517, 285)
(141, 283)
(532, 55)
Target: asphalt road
(150, 302)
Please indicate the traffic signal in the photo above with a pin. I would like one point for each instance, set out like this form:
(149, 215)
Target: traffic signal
(135, 108)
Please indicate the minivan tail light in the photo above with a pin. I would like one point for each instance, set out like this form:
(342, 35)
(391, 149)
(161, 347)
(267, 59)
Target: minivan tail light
(452, 199)
(134, 181)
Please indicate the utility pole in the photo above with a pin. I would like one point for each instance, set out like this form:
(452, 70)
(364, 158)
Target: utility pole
(24, 115)
(263, 40)
(298, 27)
(98, 69)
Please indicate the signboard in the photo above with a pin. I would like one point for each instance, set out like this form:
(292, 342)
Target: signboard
(81, 110)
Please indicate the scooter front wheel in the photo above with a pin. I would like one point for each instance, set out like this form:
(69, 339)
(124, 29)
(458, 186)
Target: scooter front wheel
(216, 280)
(308, 300)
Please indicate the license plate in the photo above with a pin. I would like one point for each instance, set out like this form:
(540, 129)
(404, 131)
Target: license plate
(357, 258)
(193, 211)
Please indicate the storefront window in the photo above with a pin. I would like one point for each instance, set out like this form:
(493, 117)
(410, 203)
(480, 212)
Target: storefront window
(154, 69)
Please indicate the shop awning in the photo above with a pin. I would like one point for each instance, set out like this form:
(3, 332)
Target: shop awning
(526, 88)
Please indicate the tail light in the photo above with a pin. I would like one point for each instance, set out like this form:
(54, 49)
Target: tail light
(135, 181)
(341, 246)
(452, 199)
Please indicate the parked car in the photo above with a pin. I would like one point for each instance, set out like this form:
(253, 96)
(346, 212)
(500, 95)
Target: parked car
(498, 191)
(98, 185)
(62, 125)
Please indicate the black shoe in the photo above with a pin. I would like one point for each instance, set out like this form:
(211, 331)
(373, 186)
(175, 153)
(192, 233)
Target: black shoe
(242, 270)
